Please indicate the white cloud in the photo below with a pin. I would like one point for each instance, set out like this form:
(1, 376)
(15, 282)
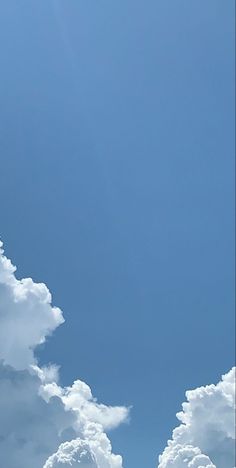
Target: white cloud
(26, 316)
(206, 435)
(74, 453)
(31, 429)
(79, 398)
(94, 452)
(42, 423)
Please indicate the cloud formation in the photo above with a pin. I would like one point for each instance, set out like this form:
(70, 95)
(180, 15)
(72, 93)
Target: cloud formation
(27, 316)
(90, 453)
(206, 435)
(31, 429)
(45, 425)
(42, 423)
(71, 454)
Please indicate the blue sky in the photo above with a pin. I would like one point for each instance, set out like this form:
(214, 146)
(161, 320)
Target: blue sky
(116, 184)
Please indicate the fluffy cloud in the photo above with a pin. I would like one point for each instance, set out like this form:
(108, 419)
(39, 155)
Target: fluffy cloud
(74, 453)
(31, 428)
(26, 317)
(95, 452)
(206, 435)
(42, 423)
(79, 398)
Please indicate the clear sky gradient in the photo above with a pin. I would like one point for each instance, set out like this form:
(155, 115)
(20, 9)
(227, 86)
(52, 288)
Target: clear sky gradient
(116, 185)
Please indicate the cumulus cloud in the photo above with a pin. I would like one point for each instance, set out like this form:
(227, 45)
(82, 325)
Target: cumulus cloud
(79, 398)
(27, 316)
(72, 454)
(45, 425)
(91, 453)
(31, 429)
(42, 423)
(206, 435)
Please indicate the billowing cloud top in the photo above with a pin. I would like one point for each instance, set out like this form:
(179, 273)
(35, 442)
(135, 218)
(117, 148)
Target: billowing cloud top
(206, 435)
(44, 425)
(26, 318)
